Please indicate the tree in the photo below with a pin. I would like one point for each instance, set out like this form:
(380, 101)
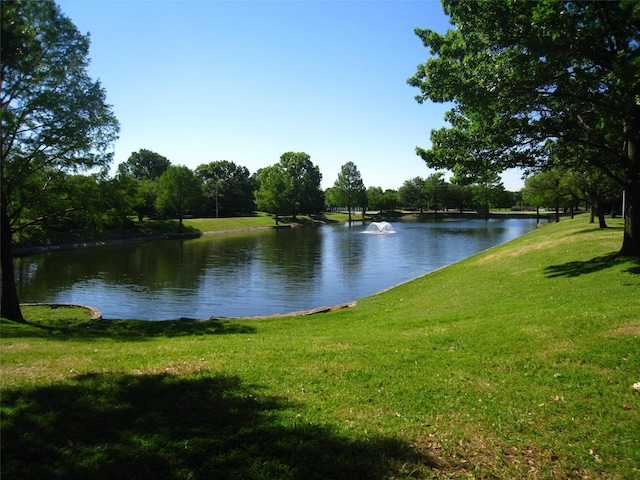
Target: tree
(390, 200)
(594, 188)
(145, 168)
(274, 193)
(228, 188)
(305, 179)
(459, 196)
(54, 119)
(411, 193)
(434, 190)
(375, 198)
(145, 164)
(179, 193)
(546, 189)
(351, 187)
(530, 79)
(97, 202)
(291, 186)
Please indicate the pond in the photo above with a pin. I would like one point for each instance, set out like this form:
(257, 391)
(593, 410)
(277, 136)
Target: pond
(256, 272)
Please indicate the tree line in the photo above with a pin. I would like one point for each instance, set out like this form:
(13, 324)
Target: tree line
(148, 185)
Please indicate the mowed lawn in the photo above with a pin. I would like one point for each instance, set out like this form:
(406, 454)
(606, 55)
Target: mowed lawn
(519, 362)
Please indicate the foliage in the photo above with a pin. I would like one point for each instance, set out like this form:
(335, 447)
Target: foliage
(375, 198)
(179, 193)
(446, 376)
(305, 179)
(435, 190)
(291, 186)
(530, 81)
(546, 189)
(143, 168)
(228, 188)
(145, 165)
(411, 194)
(274, 194)
(593, 187)
(54, 120)
(350, 188)
(459, 197)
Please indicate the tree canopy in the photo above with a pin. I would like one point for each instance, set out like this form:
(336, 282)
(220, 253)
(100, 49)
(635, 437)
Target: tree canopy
(350, 187)
(305, 179)
(144, 168)
(291, 186)
(228, 188)
(55, 120)
(145, 165)
(274, 194)
(179, 193)
(531, 82)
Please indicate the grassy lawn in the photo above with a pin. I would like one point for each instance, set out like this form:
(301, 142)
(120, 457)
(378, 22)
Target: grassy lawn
(518, 362)
(261, 219)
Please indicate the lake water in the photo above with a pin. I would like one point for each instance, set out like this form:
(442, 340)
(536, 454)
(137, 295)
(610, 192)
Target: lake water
(253, 273)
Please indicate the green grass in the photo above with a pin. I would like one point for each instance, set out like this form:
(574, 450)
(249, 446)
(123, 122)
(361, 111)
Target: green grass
(518, 362)
(261, 219)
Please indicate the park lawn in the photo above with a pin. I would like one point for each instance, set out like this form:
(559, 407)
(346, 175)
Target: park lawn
(260, 219)
(518, 362)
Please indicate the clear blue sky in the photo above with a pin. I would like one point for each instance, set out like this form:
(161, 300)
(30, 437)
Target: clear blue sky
(205, 80)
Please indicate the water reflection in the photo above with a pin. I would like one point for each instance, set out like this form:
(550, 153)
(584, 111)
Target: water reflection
(252, 273)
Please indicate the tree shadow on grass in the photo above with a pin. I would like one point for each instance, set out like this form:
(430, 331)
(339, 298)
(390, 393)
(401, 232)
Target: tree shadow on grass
(127, 330)
(116, 426)
(574, 269)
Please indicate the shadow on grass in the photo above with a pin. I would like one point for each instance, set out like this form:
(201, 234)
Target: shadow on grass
(112, 426)
(574, 269)
(129, 330)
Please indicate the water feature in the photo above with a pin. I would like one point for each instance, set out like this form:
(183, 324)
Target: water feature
(379, 228)
(253, 273)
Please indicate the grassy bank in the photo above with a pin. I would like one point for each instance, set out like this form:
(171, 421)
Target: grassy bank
(518, 362)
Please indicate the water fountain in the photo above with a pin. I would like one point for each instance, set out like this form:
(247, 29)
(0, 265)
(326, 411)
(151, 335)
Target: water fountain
(380, 228)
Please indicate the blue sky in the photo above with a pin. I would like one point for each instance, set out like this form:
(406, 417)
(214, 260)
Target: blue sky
(205, 80)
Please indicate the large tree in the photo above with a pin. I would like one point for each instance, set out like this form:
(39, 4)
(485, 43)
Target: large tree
(145, 164)
(145, 168)
(228, 188)
(411, 194)
(351, 188)
(531, 79)
(546, 189)
(435, 188)
(179, 193)
(54, 119)
(305, 180)
(291, 186)
(274, 193)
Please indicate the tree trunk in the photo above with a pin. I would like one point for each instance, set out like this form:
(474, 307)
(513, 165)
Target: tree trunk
(631, 239)
(10, 307)
(599, 211)
(602, 222)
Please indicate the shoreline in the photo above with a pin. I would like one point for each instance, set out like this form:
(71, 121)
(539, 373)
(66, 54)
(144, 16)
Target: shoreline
(21, 251)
